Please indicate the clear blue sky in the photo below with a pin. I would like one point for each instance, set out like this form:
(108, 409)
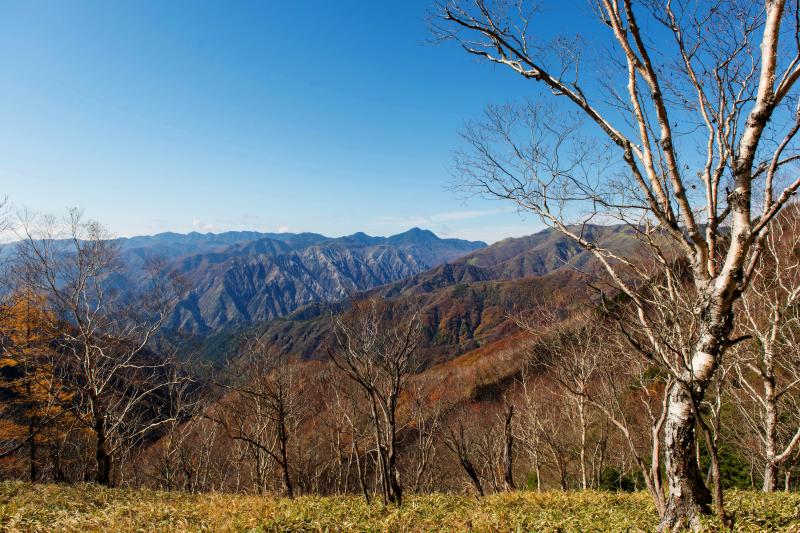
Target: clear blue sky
(327, 116)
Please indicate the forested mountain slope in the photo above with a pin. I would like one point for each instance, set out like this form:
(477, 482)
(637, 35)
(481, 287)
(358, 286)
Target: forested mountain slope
(268, 278)
(464, 304)
(237, 278)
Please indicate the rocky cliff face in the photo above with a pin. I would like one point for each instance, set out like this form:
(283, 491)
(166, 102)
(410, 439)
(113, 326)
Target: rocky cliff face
(247, 277)
(239, 277)
(463, 304)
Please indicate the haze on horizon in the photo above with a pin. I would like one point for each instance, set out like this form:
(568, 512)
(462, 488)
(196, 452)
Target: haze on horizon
(154, 117)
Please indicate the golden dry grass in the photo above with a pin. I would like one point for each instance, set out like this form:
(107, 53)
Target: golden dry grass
(26, 507)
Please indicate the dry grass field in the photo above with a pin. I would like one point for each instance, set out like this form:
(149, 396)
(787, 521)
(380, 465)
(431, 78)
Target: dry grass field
(46, 508)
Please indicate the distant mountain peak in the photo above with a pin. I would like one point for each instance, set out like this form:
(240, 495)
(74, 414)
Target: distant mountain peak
(414, 236)
(419, 231)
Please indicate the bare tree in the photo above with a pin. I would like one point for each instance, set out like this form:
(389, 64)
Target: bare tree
(263, 407)
(675, 78)
(634, 398)
(102, 357)
(590, 363)
(349, 434)
(558, 441)
(529, 427)
(769, 368)
(426, 420)
(458, 441)
(377, 350)
(571, 356)
(168, 459)
(713, 402)
(508, 446)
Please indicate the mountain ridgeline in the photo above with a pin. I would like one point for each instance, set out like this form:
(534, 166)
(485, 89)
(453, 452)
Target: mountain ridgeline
(464, 304)
(243, 277)
(285, 285)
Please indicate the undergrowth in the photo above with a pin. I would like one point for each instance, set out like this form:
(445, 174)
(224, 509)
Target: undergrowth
(26, 507)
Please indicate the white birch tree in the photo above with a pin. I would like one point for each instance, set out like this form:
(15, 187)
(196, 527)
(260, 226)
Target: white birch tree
(678, 123)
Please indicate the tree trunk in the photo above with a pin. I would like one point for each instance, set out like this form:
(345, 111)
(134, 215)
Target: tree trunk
(395, 486)
(688, 495)
(34, 460)
(380, 449)
(55, 454)
(711, 445)
(283, 439)
(473, 475)
(102, 455)
(103, 465)
(582, 420)
(770, 477)
(362, 473)
(562, 468)
(770, 425)
(508, 455)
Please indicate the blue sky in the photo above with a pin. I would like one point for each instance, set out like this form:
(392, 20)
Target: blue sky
(332, 117)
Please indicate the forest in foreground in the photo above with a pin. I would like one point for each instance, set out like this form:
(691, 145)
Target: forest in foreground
(646, 343)
(495, 391)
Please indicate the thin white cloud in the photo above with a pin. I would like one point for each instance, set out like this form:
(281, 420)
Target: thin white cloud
(492, 234)
(199, 225)
(419, 220)
(283, 229)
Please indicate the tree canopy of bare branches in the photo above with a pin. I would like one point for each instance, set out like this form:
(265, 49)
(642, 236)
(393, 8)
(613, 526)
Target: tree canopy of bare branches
(102, 357)
(263, 408)
(377, 351)
(683, 125)
(768, 366)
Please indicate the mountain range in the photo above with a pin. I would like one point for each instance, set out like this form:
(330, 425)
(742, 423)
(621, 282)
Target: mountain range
(244, 277)
(286, 285)
(465, 304)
